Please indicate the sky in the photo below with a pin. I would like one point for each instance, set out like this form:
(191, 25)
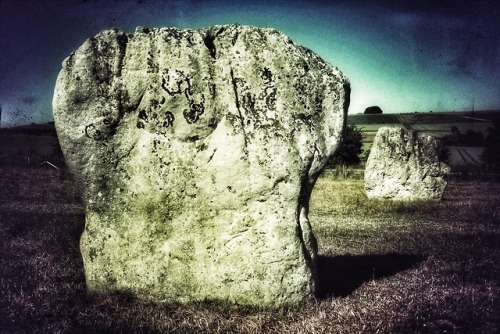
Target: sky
(400, 55)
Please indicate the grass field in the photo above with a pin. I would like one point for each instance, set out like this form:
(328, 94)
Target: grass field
(384, 267)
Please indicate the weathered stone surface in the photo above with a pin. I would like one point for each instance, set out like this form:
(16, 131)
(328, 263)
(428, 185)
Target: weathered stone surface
(405, 165)
(198, 151)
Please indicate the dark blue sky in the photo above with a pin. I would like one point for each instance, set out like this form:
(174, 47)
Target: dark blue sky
(403, 56)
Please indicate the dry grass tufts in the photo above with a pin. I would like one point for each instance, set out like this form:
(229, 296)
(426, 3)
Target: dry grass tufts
(384, 267)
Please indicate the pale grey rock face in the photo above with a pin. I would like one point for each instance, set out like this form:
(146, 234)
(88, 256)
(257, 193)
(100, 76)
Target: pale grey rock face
(404, 165)
(197, 151)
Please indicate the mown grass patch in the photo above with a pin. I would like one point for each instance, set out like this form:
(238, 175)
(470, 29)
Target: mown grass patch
(384, 267)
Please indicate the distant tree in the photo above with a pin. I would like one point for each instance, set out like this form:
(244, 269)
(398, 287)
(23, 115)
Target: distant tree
(349, 151)
(373, 110)
(491, 154)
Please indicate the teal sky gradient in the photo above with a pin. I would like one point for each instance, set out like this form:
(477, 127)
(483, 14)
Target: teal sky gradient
(402, 56)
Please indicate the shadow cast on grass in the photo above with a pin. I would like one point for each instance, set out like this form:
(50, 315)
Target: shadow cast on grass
(339, 276)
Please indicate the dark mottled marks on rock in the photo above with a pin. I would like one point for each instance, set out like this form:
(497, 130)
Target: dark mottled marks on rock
(70, 61)
(172, 80)
(192, 139)
(220, 31)
(162, 101)
(248, 101)
(122, 41)
(266, 74)
(125, 105)
(154, 103)
(101, 75)
(211, 89)
(150, 62)
(235, 38)
(155, 146)
(159, 120)
(210, 159)
(193, 114)
(271, 100)
(103, 57)
(143, 115)
(212, 123)
(210, 85)
(196, 104)
(268, 90)
(92, 132)
(188, 92)
(176, 34)
(201, 147)
(192, 41)
(234, 120)
(111, 125)
(92, 254)
(237, 122)
(208, 40)
(307, 119)
(318, 101)
(143, 30)
(169, 119)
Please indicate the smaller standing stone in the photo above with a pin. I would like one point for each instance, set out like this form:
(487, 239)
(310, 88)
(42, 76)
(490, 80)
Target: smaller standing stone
(405, 165)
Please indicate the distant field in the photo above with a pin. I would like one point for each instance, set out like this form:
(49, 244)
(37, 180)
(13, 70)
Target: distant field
(426, 118)
(441, 122)
(38, 142)
(433, 124)
(442, 129)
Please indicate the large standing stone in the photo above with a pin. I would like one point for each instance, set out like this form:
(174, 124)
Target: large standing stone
(405, 165)
(197, 151)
